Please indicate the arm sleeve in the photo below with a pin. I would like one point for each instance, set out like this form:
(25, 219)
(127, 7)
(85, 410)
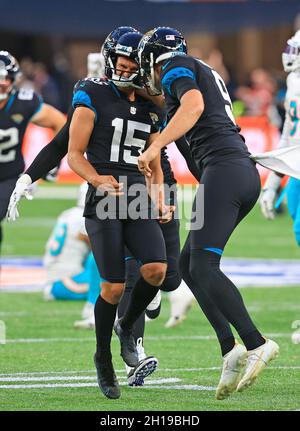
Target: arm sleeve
(184, 149)
(51, 155)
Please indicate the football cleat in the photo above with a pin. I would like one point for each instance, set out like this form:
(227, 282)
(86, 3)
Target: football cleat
(153, 309)
(233, 366)
(107, 379)
(257, 360)
(143, 369)
(146, 366)
(128, 348)
(88, 310)
(85, 323)
(181, 301)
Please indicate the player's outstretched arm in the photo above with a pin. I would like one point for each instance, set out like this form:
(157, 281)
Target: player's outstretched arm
(50, 117)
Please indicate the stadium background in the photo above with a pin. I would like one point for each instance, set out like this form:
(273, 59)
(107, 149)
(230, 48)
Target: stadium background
(243, 41)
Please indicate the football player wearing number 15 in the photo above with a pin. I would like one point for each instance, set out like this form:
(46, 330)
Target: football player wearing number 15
(18, 107)
(199, 107)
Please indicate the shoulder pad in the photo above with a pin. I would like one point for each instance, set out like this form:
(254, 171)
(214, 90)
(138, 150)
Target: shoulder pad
(25, 94)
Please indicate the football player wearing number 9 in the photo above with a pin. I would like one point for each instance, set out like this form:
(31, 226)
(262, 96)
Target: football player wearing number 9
(18, 107)
(113, 125)
(199, 107)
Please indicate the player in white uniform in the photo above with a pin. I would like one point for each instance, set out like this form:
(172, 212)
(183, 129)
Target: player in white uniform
(70, 266)
(290, 136)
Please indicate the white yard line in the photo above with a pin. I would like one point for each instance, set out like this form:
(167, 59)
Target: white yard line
(152, 338)
(85, 385)
(64, 375)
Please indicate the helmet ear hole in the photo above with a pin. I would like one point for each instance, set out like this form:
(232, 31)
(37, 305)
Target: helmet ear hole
(157, 45)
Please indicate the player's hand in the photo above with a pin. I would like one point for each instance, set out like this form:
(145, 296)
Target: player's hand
(24, 188)
(108, 183)
(146, 158)
(267, 201)
(166, 213)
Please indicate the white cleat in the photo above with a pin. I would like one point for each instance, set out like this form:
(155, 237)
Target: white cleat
(146, 366)
(181, 301)
(257, 360)
(233, 366)
(88, 310)
(85, 323)
(153, 309)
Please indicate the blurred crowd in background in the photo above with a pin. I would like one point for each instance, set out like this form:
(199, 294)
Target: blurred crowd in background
(262, 94)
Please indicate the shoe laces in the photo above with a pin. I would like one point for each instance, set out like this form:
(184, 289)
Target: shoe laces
(140, 349)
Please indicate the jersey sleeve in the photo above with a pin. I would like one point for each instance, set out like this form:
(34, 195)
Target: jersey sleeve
(178, 76)
(32, 100)
(84, 95)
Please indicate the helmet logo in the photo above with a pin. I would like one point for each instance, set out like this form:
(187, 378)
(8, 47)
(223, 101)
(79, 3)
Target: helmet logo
(133, 110)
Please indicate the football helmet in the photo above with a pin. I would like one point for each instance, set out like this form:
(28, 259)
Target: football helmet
(9, 71)
(291, 54)
(158, 45)
(109, 45)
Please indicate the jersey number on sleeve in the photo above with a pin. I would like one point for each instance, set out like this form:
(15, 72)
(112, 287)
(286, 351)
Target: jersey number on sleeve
(8, 139)
(130, 142)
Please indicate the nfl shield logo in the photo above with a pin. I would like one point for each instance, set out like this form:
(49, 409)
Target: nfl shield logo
(132, 110)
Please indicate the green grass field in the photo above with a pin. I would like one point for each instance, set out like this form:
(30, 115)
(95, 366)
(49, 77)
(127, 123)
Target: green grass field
(47, 365)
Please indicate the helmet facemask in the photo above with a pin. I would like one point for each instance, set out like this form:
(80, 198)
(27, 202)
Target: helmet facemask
(117, 74)
(6, 84)
(291, 55)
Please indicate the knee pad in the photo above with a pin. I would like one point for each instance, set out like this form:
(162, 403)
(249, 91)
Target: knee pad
(171, 282)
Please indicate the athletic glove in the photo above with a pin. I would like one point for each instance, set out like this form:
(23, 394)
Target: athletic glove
(268, 195)
(24, 188)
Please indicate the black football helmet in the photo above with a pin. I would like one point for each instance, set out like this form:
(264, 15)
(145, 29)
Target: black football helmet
(155, 46)
(9, 70)
(127, 46)
(110, 43)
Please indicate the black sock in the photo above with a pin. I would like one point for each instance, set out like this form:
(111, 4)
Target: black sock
(139, 325)
(141, 296)
(253, 340)
(227, 345)
(105, 314)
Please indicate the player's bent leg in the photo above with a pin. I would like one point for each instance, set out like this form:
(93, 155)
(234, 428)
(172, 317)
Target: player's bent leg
(68, 289)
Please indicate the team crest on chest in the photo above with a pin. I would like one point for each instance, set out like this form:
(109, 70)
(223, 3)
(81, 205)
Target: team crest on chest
(154, 117)
(18, 118)
(133, 110)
